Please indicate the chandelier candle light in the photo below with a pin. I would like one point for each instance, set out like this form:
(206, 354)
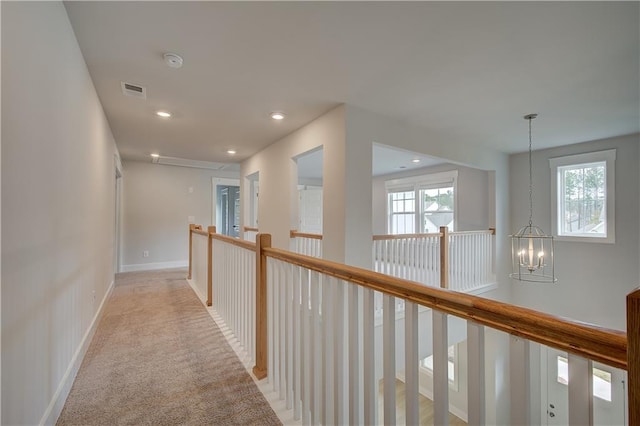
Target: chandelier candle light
(531, 249)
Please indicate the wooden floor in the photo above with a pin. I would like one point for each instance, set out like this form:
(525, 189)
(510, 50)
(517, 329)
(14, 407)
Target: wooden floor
(426, 408)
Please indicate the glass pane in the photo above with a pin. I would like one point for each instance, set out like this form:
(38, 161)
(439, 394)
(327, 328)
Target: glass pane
(583, 199)
(609, 395)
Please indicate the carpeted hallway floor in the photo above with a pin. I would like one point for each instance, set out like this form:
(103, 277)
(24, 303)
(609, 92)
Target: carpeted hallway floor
(158, 358)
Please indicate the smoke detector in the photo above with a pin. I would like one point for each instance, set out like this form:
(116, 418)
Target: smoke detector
(173, 60)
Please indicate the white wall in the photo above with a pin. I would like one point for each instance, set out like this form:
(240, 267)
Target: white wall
(593, 278)
(278, 182)
(472, 207)
(58, 190)
(156, 209)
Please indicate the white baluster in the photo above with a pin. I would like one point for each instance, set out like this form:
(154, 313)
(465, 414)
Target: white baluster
(306, 349)
(282, 330)
(289, 333)
(297, 342)
(519, 366)
(354, 354)
(328, 321)
(370, 389)
(316, 334)
(411, 364)
(440, 369)
(389, 359)
(475, 371)
(276, 327)
(270, 313)
(580, 391)
(339, 353)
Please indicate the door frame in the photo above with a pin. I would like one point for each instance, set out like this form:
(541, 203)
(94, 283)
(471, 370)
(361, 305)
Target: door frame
(215, 181)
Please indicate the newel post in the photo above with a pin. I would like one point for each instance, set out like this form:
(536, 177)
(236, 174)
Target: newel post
(260, 369)
(633, 355)
(191, 228)
(444, 257)
(210, 231)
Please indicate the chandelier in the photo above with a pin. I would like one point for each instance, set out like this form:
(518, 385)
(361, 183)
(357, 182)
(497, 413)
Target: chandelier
(531, 248)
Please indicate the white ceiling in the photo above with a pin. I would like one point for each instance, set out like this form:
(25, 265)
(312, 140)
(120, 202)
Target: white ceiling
(386, 160)
(469, 70)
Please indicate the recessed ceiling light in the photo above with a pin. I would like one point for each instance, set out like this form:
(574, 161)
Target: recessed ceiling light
(231, 151)
(415, 160)
(154, 155)
(277, 115)
(163, 114)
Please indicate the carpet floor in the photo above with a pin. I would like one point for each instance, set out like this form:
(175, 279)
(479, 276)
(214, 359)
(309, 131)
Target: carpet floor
(158, 358)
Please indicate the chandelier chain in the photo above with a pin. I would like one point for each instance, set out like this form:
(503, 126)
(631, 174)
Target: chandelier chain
(530, 179)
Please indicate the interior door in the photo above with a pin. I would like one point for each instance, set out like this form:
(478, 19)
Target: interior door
(234, 211)
(609, 392)
(224, 210)
(556, 377)
(311, 210)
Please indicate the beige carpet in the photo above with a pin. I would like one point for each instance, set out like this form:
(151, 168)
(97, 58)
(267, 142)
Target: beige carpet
(158, 358)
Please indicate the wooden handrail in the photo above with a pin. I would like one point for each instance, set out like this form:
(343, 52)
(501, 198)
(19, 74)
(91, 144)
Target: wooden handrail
(200, 232)
(491, 231)
(402, 236)
(587, 340)
(481, 232)
(633, 355)
(248, 245)
(293, 234)
(249, 229)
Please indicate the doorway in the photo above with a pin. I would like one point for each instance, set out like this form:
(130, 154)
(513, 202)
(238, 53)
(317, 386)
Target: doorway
(225, 208)
(229, 209)
(117, 218)
(608, 391)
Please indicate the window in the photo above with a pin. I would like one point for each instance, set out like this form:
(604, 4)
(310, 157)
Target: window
(421, 204)
(427, 364)
(583, 196)
(402, 212)
(437, 208)
(601, 379)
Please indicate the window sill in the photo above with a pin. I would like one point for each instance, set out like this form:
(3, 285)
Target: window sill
(585, 239)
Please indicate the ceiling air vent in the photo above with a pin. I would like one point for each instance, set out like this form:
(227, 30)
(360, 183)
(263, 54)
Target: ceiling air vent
(129, 89)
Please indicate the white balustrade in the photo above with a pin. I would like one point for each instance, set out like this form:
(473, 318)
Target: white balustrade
(233, 290)
(326, 374)
(199, 264)
(307, 244)
(417, 258)
(470, 260)
(250, 235)
(327, 354)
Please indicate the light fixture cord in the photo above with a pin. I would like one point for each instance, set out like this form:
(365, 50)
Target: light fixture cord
(530, 180)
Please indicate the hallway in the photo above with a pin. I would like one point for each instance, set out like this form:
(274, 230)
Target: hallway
(159, 358)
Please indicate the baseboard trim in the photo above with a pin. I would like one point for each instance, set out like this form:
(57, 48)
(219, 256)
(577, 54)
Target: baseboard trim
(154, 266)
(199, 295)
(56, 405)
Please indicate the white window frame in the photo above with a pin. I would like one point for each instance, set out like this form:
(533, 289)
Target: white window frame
(417, 183)
(556, 164)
